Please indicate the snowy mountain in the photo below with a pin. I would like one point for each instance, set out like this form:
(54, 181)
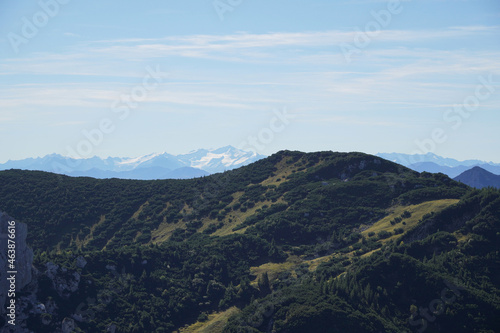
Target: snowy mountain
(162, 160)
(218, 160)
(152, 166)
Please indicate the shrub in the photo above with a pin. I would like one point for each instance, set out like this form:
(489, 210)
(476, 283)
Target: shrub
(202, 317)
(406, 214)
(398, 231)
(384, 234)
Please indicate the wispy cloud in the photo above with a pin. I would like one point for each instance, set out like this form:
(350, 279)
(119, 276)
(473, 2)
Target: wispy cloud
(304, 67)
(235, 47)
(203, 45)
(120, 57)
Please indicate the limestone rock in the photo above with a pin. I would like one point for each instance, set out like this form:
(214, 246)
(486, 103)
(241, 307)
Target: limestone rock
(81, 262)
(64, 282)
(68, 325)
(111, 328)
(23, 259)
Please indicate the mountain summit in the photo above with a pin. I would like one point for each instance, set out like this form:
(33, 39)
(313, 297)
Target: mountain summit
(479, 178)
(218, 160)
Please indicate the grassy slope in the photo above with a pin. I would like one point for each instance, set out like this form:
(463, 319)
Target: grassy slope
(215, 323)
(418, 211)
(284, 168)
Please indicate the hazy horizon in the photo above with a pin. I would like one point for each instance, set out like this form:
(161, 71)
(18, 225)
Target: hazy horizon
(210, 149)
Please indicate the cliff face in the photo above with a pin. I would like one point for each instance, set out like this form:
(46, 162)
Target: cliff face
(65, 282)
(23, 259)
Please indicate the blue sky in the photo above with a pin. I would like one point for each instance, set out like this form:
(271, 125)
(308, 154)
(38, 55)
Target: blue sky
(374, 76)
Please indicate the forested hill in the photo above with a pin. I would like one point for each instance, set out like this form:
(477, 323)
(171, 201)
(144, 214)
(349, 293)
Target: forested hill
(291, 196)
(316, 242)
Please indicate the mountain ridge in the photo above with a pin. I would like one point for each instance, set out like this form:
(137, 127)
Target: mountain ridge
(211, 161)
(436, 164)
(409, 159)
(182, 166)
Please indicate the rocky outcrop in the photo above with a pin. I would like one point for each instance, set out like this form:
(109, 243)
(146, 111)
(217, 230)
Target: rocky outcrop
(46, 312)
(68, 325)
(64, 281)
(23, 257)
(81, 262)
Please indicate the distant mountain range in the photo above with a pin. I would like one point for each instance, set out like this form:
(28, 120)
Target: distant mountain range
(197, 163)
(203, 162)
(433, 163)
(479, 178)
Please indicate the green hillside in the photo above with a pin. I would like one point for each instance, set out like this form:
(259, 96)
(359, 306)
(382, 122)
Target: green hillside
(293, 197)
(442, 282)
(317, 242)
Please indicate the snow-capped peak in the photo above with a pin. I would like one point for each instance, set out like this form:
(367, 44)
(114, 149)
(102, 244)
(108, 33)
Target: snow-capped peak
(138, 160)
(209, 160)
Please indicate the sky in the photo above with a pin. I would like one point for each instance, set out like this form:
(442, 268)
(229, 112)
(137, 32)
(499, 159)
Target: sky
(129, 78)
